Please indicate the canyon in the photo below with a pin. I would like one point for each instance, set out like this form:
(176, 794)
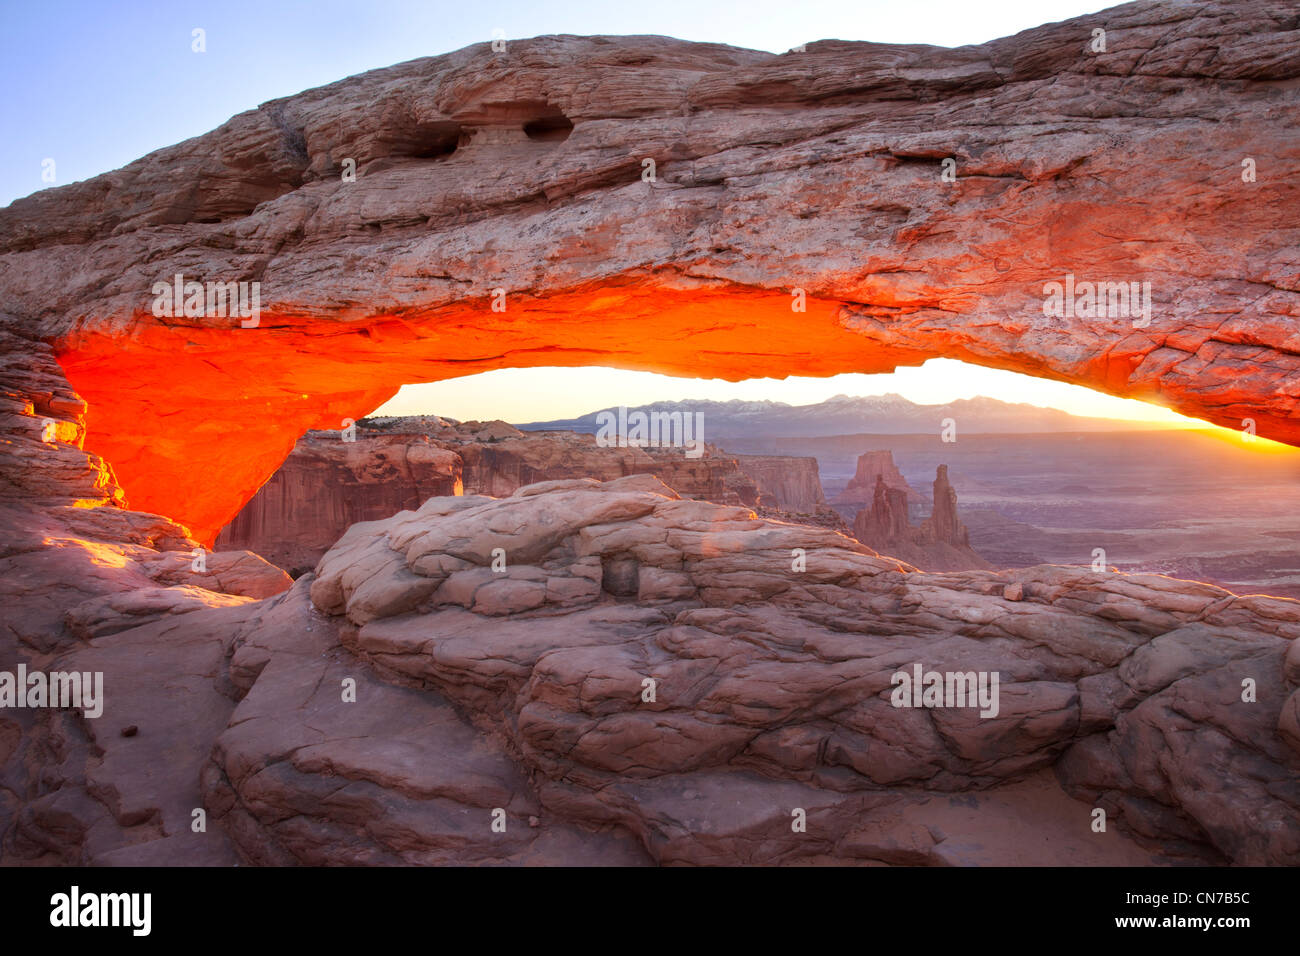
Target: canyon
(1106, 165)
(386, 465)
(390, 464)
(613, 670)
(390, 705)
(940, 543)
(1185, 503)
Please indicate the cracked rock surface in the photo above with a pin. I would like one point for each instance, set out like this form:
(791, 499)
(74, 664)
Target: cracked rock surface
(769, 690)
(819, 171)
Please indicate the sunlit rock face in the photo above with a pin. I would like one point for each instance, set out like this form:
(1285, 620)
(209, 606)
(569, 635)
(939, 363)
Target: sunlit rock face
(660, 667)
(383, 465)
(517, 687)
(76, 568)
(940, 543)
(75, 564)
(811, 179)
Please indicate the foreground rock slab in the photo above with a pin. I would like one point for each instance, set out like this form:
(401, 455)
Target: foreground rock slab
(88, 585)
(623, 663)
(384, 465)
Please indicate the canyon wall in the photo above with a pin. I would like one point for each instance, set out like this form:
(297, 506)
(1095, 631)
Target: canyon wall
(794, 483)
(860, 492)
(523, 690)
(327, 484)
(940, 543)
(394, 464)
(845, 207)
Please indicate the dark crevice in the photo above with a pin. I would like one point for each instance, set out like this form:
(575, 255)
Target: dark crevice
(554, 128)
(427, 141)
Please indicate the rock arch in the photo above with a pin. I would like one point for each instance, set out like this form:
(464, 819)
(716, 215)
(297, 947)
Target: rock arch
(817, 171)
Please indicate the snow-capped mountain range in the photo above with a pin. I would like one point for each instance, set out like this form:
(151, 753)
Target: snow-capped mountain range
(889, 414)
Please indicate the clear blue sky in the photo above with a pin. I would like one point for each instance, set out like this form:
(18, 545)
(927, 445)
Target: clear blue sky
(95, 85)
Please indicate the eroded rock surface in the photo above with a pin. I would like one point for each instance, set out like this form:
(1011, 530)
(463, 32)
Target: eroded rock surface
(819, 171)
(940, 543)
(76, 570)
(391, 464)
(397, 706)
(658, 666)
(385, 710)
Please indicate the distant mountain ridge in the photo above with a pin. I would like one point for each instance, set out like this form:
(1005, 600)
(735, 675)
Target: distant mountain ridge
(889, 414)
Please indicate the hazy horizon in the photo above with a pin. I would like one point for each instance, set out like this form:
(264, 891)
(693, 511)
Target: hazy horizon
(545, 394)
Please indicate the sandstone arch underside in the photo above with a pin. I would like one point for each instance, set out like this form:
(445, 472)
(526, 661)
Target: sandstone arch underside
(817, 171)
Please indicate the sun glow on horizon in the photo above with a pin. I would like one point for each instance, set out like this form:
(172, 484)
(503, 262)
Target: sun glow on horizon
(522, 395)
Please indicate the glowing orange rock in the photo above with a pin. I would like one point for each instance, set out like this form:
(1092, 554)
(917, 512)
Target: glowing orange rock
(498, 217)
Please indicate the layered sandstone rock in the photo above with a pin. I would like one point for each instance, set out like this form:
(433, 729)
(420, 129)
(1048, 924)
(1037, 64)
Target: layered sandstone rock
(874, 466)
(794, 483)
(658, 667)
(70, 548)
(329, 484)
(886, 519)
(819, 171)
(75, 568)
(651, 679)
(386, 710)
(943, 525)
(940, 543)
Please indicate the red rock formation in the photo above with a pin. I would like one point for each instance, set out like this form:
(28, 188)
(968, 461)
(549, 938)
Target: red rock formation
(873, 466)
(817, 171)
(498, 459)
(521, 689)
(608, 585)
(76, 567)
(328, 484)
(793, 483)
(524, 689)
(941, 543)
(943, 525)
(886, 520)
(73, 562)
